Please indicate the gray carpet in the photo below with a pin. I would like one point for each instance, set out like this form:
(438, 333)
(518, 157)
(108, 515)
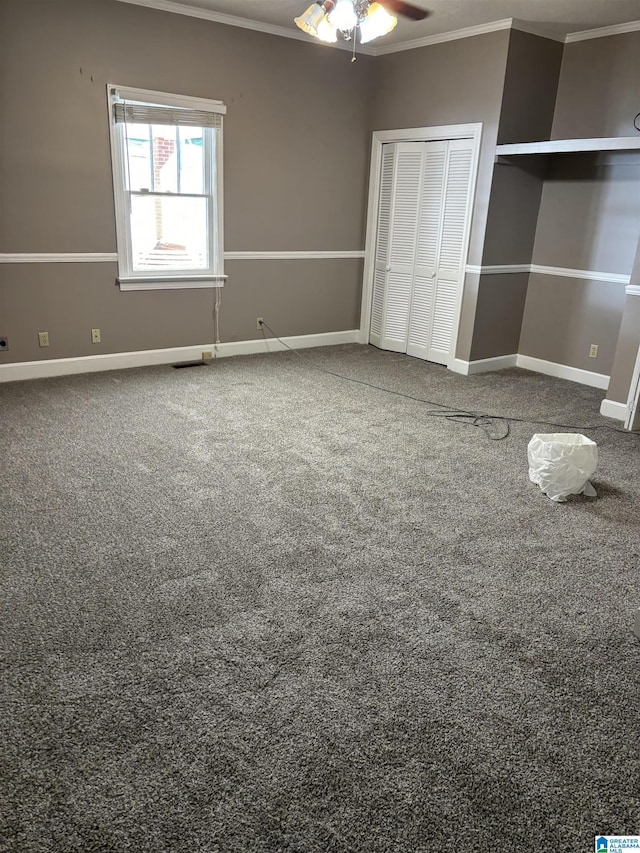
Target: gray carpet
(251, 607)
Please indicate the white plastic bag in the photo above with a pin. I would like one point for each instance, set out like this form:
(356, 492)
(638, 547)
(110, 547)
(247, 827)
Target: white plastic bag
(561, 464)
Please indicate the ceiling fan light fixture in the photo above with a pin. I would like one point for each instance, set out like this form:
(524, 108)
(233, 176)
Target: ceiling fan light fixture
(378, 22)
(343, 16)
(326, 31)
(310, 20)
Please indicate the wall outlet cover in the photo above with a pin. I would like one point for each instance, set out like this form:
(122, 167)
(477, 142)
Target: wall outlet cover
(43, 339)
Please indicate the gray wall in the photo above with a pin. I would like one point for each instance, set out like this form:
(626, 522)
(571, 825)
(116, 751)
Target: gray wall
(564, 316)
(589, 220)
(457, 82)
(589, 215)
(531, 82)
(599, 88)
(296, 171)
(530, 88)
(297, 141)
(590, 212)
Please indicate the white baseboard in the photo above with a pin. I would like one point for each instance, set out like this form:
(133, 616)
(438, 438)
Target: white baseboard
(459, 366)
(613, 409)
(145, 358)
(563, 371)
(483, 365)
(499, 362)
(538, 365)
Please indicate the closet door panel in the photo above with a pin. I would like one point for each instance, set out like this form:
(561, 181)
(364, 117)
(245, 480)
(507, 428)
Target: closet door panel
(444, 318)
(448, 281)
(405, 207)
(421, 313)
(455, 210)
(427, 244)
(399, 286)
(431, 198)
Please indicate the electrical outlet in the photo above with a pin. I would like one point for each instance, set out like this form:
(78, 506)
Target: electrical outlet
(43, 339)
(207, 356)
(259, 323)
(593, 351)
(4, 343)
(95, 336)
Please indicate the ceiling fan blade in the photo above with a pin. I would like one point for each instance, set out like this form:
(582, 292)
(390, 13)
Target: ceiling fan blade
(407, 10)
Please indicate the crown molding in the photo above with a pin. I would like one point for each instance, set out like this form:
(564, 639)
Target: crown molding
(243, 23)
(602, 32)
(535, 30)
(454, 35)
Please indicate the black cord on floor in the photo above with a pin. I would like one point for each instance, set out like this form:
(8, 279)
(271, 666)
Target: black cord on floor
(495, 427)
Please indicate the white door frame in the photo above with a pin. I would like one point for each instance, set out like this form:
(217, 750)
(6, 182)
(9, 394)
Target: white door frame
(411, 134)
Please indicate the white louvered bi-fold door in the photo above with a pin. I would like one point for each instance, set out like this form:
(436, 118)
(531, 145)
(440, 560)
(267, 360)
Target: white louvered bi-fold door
(427, 249)
(402, 165)
(422, 231)
(451, 254)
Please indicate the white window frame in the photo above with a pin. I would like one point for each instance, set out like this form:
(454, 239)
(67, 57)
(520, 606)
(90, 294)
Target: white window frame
(175, 279)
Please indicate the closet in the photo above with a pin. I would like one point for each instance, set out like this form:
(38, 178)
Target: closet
(424, 210)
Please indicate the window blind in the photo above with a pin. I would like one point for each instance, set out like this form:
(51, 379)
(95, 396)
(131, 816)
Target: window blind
(126, 113)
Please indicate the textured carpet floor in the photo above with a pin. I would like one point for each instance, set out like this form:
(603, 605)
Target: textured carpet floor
(251, 607)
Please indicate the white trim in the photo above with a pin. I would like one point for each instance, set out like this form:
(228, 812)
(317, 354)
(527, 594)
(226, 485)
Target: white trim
(439, 38)
(562, 272)
(537, 365)
(563, 371)
(613, 409)
(602, 32)
(452, 35)
(591, 275)
(499, 362)
(292, 256)
(483, 365)
(243, 23)
(144, 358)
(459, 366)
(564, 146)
(171, 283)
(410, 134)
(632, 290)
(151, 96)
(212, 190)
(59, 258)
(535, 30)
(112, 257)
(218, 17)
(497, 269)
(486, 269)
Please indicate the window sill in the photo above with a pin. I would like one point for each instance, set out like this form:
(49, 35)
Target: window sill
(167, 282)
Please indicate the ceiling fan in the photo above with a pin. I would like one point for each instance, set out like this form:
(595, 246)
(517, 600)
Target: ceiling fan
(407, 10)
(324, 19)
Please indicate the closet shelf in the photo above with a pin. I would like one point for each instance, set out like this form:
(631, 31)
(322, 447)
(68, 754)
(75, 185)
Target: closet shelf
(567, 146)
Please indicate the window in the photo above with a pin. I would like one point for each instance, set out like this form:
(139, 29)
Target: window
(166, 153)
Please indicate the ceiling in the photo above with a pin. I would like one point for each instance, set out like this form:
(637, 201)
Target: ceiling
(556, 18)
